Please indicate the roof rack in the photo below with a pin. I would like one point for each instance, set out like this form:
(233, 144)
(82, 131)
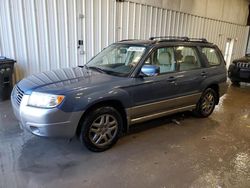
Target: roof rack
(126, 40)
(198, 39)
(170, 38)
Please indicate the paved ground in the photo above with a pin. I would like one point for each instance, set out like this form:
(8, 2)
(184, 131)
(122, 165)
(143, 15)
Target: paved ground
(212, 152)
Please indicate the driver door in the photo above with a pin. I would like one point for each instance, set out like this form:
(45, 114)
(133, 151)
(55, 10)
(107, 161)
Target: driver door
(153, 94)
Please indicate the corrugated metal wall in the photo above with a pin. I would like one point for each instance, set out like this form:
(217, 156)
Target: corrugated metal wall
(43, 35)
(142, 21)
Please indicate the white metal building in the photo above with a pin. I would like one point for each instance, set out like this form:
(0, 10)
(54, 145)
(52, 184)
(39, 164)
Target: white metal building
(49, 34)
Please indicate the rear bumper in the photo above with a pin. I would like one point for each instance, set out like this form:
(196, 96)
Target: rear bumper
(223, 88)
(45, 122)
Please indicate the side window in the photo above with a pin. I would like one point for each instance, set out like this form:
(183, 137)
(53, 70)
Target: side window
(163, 59)
(211, 56)
(186, 58)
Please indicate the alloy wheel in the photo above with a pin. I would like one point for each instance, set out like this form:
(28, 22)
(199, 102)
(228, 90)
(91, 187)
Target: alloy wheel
(208, 103)
(103, 130)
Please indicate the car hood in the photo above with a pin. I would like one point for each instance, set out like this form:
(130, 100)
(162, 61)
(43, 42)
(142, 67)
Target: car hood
(61, 81)
(243, 59)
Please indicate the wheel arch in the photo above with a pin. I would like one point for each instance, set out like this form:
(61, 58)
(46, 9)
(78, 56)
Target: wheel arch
(113, 103)
(216, 88)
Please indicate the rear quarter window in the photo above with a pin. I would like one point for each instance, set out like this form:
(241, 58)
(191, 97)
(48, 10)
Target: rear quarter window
(212, 56)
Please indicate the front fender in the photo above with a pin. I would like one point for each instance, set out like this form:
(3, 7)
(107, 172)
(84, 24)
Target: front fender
(80, 101)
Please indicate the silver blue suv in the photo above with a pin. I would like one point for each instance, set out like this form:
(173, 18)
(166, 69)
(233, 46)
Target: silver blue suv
(130, 81)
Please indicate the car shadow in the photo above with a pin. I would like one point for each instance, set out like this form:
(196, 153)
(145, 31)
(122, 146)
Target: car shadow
(240, 85)
(175, 119)
(174, 128)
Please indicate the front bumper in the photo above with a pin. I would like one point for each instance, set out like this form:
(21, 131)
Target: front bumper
(238, 74)
(45, 122)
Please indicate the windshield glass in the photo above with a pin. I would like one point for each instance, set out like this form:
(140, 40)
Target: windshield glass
(117, 59)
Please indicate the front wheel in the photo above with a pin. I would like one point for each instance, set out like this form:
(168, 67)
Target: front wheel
(101, 128)
(206, 104)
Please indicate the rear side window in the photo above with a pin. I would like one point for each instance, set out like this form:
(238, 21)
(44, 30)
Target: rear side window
(212, 56)
(186, 58)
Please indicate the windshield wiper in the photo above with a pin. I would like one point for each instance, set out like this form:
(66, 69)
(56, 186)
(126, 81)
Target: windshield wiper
(105, 71)
(83, 66)
(97, 69)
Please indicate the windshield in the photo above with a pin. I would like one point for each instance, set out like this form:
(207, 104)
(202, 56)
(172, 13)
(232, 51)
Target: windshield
(117, 59)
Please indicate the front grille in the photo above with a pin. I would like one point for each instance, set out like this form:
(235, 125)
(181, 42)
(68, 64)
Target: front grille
(18, 95)
(243, 65)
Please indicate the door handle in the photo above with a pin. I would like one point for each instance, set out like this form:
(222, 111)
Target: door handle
(203, 74)
(171, 79)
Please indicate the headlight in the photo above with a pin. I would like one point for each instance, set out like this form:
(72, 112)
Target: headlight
(44, 100)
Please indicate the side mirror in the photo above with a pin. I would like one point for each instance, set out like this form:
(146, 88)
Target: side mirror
(150, 70)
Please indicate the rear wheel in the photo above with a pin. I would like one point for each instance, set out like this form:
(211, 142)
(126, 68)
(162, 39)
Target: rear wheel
(101, 128)
(206, 104)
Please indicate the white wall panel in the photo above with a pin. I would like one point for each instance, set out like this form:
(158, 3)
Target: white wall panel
(43, 35)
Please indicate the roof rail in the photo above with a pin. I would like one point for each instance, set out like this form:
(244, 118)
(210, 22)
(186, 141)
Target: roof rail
(198, 39)
(169, 38)
(127, 40)
(166, 38)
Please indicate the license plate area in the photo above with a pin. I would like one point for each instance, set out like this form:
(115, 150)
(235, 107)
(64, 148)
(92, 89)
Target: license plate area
(244, 73)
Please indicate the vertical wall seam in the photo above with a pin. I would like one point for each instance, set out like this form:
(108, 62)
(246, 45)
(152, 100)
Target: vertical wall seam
(128, 12)
(133, 28)
(100, 25)
(203, 29)
(75, 42)
(115, 30)
(177, 24)
(121, 22)
(36, 41)
(16, 70)
(57, 34)
(140, 15)
(107, 24)
(160, 21)
(92, 27)
(150, 21)
(145, 24)
(173, 22)
(13, 48)
(155, 25)
(6, 28)
(169, 22)
(45, 12)
(24, 37)
(165, 23)
(66, 32)
(84, 31)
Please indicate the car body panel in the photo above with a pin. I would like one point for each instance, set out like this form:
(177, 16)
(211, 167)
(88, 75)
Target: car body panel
(239, 70)
(45, 122)
(142, 98)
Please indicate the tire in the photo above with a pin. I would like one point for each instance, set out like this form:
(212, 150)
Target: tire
(235, 83)
(206, 104)
(101, 128)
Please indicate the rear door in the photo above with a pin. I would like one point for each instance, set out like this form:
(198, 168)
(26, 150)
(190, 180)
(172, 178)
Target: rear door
(190, 74)
(216, 69)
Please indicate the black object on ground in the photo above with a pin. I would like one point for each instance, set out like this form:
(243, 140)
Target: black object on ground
(6, 77)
